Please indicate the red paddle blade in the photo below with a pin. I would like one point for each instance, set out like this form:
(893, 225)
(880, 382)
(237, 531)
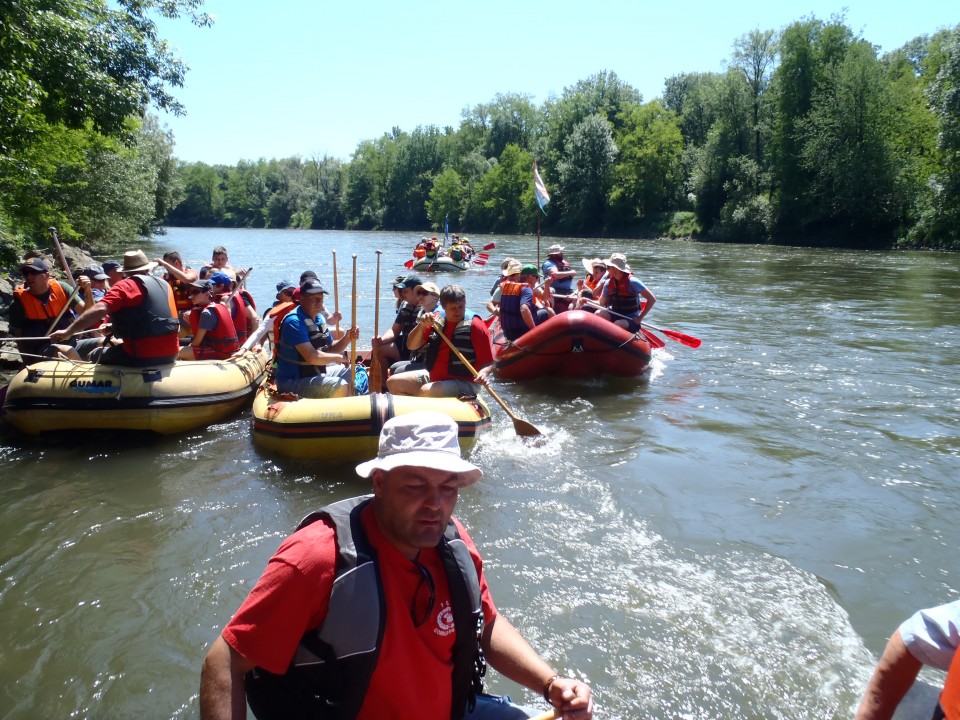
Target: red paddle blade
(483, 256)
(489, 246)
(408, 264)
(479, 262)
(688, 340)
(654, 341)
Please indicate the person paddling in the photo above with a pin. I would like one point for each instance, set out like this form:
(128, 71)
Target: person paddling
(377, 607)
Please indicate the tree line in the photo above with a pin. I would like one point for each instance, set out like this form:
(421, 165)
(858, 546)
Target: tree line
(809, 136)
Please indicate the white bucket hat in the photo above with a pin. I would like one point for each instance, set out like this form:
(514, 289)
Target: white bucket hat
(425, 439)
(619, 261)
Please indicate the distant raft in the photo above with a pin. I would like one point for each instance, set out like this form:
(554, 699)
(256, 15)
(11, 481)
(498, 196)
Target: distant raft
(440, 264)
(572, 344)
(348, 428)
(64, 395)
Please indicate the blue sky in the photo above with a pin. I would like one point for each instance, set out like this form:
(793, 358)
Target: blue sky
(314, 77)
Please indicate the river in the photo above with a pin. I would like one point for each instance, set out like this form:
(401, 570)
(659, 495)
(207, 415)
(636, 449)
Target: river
(735, 538)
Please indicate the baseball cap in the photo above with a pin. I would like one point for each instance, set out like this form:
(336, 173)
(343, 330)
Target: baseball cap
(312, 286)
(410, 281)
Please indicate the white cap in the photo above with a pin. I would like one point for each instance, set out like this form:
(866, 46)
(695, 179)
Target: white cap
(425, 438)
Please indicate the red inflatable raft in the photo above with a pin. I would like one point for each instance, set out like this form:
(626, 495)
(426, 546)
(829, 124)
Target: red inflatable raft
(573, 344)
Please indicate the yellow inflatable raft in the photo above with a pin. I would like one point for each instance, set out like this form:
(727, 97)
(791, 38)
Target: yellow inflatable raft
(65, 395)
(348, 429)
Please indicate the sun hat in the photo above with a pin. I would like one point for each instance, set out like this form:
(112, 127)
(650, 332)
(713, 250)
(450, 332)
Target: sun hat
(410, 281)
(555, 250)
(512, 268)
(220, 278)
(589, 264)
(507, 261)
(530, 270)
(619, 261)
(430, 288)
(95, 272)
(35, 264)
(136, 261)
(285, 285)
(423, 439)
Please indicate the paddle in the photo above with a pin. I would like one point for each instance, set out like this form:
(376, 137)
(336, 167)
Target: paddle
(409, 264)
(353, 324)
(336, 296)
(63, 258)
(553, 714)
(376, 371)
(489, 246)
(63, 310)
(521, 427)
(688, 340)
(47, 337)
(651, 338)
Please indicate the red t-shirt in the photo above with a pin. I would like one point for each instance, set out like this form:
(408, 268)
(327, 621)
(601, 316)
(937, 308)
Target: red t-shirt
(128, 294)
(415, 664)
(481, 345)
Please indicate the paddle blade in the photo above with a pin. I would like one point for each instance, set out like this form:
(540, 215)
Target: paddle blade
(688, 340)
(479, 262)
(483, 256)
(408, 264)
(654, 341)
(525, 429)
(490, 246)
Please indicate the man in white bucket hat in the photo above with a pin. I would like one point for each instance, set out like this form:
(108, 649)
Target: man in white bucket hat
(377, 607)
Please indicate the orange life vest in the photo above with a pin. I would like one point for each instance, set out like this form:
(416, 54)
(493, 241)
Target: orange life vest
(180, 297)
(36, 310)
(950, 697)
(278, 312)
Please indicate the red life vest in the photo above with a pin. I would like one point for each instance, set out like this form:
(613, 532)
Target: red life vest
(950, 697)
(220, 342)
(238, 311)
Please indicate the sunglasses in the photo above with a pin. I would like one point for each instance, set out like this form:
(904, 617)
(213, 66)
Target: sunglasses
(28, 271)
(425, 292)
(426, 580)
(287, 293)
(196, 291)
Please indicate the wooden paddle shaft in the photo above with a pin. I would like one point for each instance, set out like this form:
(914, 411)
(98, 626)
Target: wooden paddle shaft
(453, 348)
(376, 306)
(548, 715)
(63, 258)
(63, 310)
(353, 324)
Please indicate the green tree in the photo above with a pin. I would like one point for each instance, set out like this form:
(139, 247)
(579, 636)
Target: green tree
(504, 197)
(202, 203)
(585, 174)
(447, 197)
(649, 169)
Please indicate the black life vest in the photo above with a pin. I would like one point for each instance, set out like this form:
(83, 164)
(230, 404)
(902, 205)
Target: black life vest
(154, 317)
(320, 338)
(407, 318)
(331, 669)
(461, 341)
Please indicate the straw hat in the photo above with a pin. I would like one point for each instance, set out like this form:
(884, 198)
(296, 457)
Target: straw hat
(136, 261)
(589, 264)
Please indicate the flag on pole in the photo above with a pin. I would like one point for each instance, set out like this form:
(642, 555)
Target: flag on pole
(543, 197)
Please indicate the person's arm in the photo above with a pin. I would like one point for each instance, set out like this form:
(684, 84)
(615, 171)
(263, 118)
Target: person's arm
(88, 319)
(892, 678)
(340, 345)
(253, 320)
(187, 275)
(222, 693)
(388, 336)
(511, 656)
(527, 317)
(417, 337)
(649, 296)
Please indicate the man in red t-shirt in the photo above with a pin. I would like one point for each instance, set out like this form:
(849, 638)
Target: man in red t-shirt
(143, 315)
(446, 375)
(380, 568)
